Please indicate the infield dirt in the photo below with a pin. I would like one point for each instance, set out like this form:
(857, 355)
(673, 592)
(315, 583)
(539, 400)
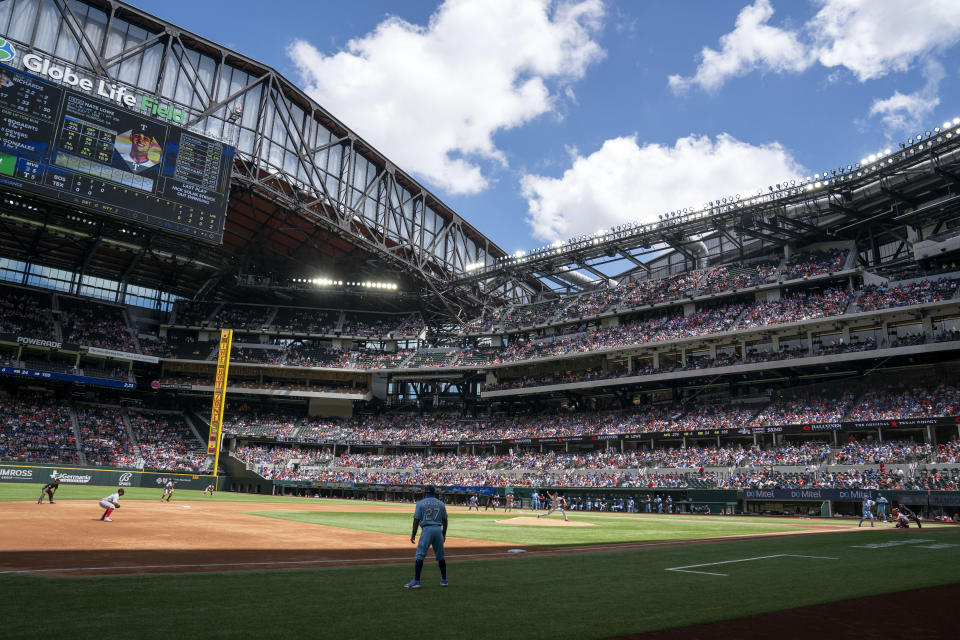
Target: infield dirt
(161, 537)
(67, 539)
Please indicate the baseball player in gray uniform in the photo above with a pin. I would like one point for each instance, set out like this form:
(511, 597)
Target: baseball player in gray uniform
(431, 516)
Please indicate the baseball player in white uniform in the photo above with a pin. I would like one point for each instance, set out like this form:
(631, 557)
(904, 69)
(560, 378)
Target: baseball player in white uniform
(556, 504)
(110, 503)
(167, 491)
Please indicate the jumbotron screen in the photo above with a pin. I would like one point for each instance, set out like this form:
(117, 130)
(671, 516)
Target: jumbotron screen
(98, 155)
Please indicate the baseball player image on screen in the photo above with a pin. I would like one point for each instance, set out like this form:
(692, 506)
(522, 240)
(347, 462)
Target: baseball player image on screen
(430, 515)
(48, 490)
(110, 503)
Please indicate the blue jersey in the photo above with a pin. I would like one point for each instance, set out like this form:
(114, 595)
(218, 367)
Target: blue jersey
(430, 512)
(867, 504)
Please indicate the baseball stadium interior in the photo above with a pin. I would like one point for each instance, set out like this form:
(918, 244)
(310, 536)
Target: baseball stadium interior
(803, 336)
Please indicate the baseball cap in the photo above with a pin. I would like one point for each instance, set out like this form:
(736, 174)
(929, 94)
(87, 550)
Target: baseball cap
(430, 489)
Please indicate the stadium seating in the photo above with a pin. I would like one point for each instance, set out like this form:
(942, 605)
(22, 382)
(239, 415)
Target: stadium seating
(103, 437)
(35, 430)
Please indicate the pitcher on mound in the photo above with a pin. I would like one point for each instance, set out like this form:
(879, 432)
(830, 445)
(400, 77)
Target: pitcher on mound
(556, 504)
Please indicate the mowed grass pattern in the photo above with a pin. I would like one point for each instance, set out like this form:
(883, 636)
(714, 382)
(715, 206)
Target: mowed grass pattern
(595, 595)
(603, 529)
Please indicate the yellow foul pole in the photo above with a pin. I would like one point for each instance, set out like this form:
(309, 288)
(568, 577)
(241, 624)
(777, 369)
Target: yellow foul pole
(219, 397)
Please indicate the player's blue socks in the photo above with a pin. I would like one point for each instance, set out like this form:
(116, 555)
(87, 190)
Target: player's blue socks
(443, 569)
(418, 570)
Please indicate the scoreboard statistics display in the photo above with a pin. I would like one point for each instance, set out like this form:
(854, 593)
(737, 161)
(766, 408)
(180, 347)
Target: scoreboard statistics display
(98, 155)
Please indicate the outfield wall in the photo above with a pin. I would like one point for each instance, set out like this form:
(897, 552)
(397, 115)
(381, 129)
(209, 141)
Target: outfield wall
(824, 501)
(107, 476)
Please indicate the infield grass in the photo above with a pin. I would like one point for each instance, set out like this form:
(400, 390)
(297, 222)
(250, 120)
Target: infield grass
(593, 595)
(603, 529)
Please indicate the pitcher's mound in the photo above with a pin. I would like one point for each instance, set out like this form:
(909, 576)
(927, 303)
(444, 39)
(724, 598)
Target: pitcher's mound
(544, 522)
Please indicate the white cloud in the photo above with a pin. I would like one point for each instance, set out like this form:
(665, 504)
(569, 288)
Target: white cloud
(905, 112)
(753, 44)
(432, 98)
(626, 182)
(870, 38)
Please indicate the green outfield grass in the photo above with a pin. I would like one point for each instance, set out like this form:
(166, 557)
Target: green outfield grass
(592, 595)
(603, 529)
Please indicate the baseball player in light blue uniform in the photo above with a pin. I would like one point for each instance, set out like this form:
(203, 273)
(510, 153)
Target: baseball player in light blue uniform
(867, 513)
(430, 516)
(882, 508)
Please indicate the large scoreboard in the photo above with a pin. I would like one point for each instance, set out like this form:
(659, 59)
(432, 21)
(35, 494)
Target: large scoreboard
(98, 155)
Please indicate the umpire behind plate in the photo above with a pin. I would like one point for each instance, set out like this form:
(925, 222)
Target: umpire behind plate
(431, 516)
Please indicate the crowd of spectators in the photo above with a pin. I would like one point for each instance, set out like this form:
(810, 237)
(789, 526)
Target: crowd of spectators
(916, 402)
(192, 314)
(873, 452)
(166, 443)
(806, 409)
(752, 467)
(24, 313)
(34, 430)
(97, 326)
(874, 297)
(796, 307)
(520, 462)
(282, 385)
(103, 437)
(243, 317)
(814, 263)
(375, 325)
(311, 354)
(315, 321)
(671, 288)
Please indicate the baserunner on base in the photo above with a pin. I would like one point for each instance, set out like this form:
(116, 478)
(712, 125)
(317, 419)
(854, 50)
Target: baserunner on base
(430, 515)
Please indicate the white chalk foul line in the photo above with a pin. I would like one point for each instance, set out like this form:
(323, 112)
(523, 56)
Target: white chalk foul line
(687, 568)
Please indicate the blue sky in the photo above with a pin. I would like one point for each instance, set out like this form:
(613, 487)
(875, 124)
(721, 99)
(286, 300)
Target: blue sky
(540, 120)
